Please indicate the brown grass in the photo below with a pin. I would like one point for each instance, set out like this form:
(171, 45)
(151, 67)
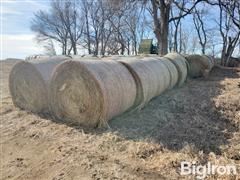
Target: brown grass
(198, 122)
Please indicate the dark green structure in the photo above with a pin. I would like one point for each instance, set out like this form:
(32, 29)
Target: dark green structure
(146, 47)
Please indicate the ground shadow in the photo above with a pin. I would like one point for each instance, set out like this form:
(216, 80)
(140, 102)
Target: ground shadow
(186, 115)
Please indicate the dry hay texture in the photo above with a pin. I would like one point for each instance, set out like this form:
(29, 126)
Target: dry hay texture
(181, 64)
(172, 70)
(199, 65)
(151, 76)
(29, 83)
(210, 61)
(91, 92)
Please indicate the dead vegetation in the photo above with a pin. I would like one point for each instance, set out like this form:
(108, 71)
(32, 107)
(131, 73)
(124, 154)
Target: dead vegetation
(198, 122)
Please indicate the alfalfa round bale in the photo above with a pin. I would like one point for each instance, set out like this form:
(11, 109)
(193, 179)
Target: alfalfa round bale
(91, 92)
(199, 65)
(151, 76)
(29, 82)
(172, 70)
(181, 64)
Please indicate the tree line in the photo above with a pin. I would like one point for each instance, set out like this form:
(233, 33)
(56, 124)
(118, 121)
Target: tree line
(110, 27)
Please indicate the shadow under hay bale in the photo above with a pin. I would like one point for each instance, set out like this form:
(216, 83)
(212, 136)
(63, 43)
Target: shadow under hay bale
(180, 63)
(90, 92)
(29, 83)
(183, 116)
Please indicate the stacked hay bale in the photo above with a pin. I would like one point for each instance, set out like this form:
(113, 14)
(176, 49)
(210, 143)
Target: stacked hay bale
(151, 76)
(91, 92)
(181, 64)
(29, 83)
(199, 65)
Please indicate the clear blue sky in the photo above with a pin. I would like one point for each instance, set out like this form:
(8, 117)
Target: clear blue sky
(16, 36)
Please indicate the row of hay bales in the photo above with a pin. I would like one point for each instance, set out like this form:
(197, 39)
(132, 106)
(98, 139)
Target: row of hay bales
(90, 92)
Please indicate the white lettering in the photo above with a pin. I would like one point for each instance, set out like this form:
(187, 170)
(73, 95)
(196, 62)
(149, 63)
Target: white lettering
(201, 171)
(185, 168)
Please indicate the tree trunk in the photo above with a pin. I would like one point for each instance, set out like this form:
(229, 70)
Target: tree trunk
(122, 48)
(163, 43)
(203, 48)
(135, 45)
(96, 49)
(74, 48)
(157, 25)
(128, 47)
(88, 35)
(162, 26)
(175, 47)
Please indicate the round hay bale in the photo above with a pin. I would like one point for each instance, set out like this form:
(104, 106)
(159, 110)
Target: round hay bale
(151, 76)
(29, 83)
(199, 65)
(182, 67)
(210, 60)
(91, 92)
(172, 70)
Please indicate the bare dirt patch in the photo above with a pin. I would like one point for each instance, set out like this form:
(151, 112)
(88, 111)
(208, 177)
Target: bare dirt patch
(197, 122)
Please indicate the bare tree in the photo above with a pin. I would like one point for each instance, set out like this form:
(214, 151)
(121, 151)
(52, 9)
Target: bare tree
(177, 24)
(85, 8)
(184, 41)
(135, 22)
(233, 9)
(198, 21)
(161, 23)
(71, 19)
(61, 24)
(100, 26)
(49, 48)
(229, 28)
(48, 26)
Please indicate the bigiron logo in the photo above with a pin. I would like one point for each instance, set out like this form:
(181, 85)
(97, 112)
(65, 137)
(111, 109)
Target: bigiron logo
(201, 171)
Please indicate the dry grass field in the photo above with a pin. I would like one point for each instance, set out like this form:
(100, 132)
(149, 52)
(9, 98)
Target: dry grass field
(198, 122)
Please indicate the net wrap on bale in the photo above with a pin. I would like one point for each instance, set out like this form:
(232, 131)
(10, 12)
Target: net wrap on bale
(91, 92)
(152, 78)
(172, 70)
(181, 64)
(29, 83)
(200, 65)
